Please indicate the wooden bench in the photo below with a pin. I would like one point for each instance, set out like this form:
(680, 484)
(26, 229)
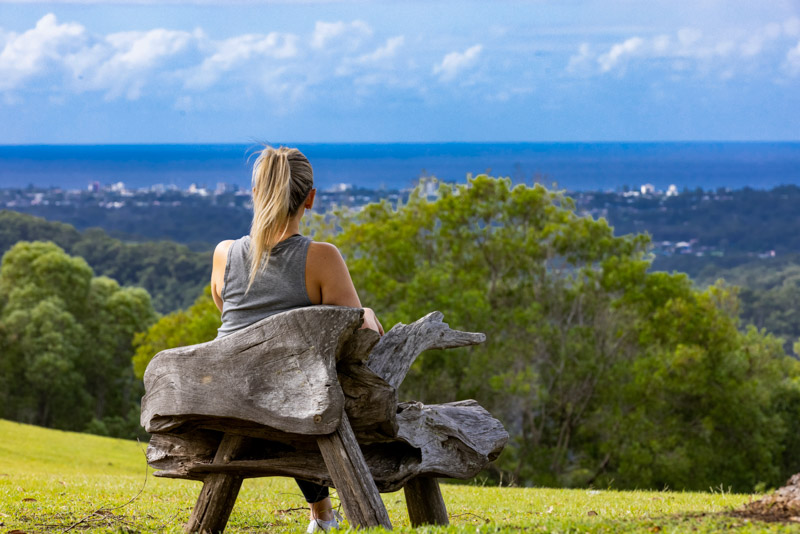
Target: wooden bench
(308, 394)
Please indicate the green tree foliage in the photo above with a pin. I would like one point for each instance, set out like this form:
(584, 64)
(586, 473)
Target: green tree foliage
(65, 342)
(600, 369)
(769, 295)
(171, 272)
(197, 324)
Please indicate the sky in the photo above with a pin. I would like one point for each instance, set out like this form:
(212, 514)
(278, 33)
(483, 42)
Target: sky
(418, 71)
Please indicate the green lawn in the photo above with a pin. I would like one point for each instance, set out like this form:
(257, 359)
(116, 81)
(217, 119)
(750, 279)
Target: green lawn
(50, 480)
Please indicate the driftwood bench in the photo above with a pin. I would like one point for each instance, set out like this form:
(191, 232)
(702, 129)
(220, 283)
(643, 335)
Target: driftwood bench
(307, 394)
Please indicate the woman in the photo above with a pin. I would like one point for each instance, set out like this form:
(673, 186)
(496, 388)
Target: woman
(275, 269)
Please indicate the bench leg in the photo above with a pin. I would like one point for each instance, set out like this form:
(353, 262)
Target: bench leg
(425, 502)
(216, 500)
(352, 479)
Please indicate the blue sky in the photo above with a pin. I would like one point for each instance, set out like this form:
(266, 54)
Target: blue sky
(417, 71)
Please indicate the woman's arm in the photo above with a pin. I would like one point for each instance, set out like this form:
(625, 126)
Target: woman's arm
(328, 281)
(218, 271)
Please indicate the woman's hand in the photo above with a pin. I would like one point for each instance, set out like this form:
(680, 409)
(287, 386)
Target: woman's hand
(371, 321)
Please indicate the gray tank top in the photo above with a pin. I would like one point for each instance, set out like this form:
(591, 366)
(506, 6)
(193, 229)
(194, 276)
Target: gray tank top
(280, 287)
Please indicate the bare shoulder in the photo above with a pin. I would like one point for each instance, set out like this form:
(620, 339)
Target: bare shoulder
(323, 250)
(222, 248)
(324, 261)
(220, 259)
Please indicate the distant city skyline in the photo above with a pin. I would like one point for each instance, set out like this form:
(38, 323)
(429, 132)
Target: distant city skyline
(361, 71)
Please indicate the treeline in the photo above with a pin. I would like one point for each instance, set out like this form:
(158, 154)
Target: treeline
(65, 343)
(604, 372)
(173, 274)
(194, 222)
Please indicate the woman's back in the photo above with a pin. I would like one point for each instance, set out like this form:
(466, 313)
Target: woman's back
(279, 286)
(275, 269)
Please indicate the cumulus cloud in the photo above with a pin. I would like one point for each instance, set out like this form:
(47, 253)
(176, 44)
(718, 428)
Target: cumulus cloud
(123, 63)
(619, 52)
(689, 48)
(347, 35)
(185, 64)
(27, 55)
(244, 52)
(384, 52)
(456, 62)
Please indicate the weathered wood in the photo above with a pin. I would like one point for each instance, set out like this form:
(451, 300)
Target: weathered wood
(216, 500)
(425, 503)
(354, 484)
(454, 440)
(370, 403)
(279, 372)
(308, 394)
(393, 355)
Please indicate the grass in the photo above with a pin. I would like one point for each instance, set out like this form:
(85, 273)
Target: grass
(62, 481)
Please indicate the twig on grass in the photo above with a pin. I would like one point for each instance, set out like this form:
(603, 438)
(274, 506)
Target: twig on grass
(485, 520)
(105, 512)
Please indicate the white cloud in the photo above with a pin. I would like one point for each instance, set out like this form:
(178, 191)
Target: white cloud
(618, 53)
(384, 52)
(134, 64)
(348, 35)
(381, 59)
(31, 53)
(456, 62)
(690, 50)
(136, 59)
(244, 52)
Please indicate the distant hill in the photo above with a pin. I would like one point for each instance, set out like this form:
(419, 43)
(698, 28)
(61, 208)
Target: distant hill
(173, 274)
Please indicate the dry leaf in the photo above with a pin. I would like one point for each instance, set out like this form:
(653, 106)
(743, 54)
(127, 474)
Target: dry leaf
(550, 510)
(28, 499)
(16, 531)
(591, 512)
(655, 529)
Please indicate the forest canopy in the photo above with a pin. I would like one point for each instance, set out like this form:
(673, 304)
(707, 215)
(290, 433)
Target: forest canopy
(172, 273)
(603, 372)
(65, 343)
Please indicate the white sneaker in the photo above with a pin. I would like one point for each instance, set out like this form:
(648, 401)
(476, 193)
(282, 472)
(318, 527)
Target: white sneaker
(317, 525)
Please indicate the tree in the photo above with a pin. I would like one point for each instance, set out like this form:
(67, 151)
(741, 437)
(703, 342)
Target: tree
(600, 369)
(66, 339)
(583, 342)
(197, 324)
(172, 273)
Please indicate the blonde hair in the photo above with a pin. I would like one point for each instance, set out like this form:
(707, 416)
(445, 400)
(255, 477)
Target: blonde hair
(282, 180)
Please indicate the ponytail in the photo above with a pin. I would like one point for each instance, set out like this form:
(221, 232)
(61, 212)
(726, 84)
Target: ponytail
(282, 179)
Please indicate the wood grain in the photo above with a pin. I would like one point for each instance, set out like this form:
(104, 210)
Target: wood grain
(352, 479)
(393, 355)
(218, 496)
(425, 503)
(279, 372)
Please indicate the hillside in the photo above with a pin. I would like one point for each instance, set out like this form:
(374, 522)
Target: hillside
(52, 480)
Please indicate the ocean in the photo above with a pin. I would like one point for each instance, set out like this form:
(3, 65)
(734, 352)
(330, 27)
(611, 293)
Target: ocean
(571, 166)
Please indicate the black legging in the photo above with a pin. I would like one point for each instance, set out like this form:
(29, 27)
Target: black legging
(312, 492)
